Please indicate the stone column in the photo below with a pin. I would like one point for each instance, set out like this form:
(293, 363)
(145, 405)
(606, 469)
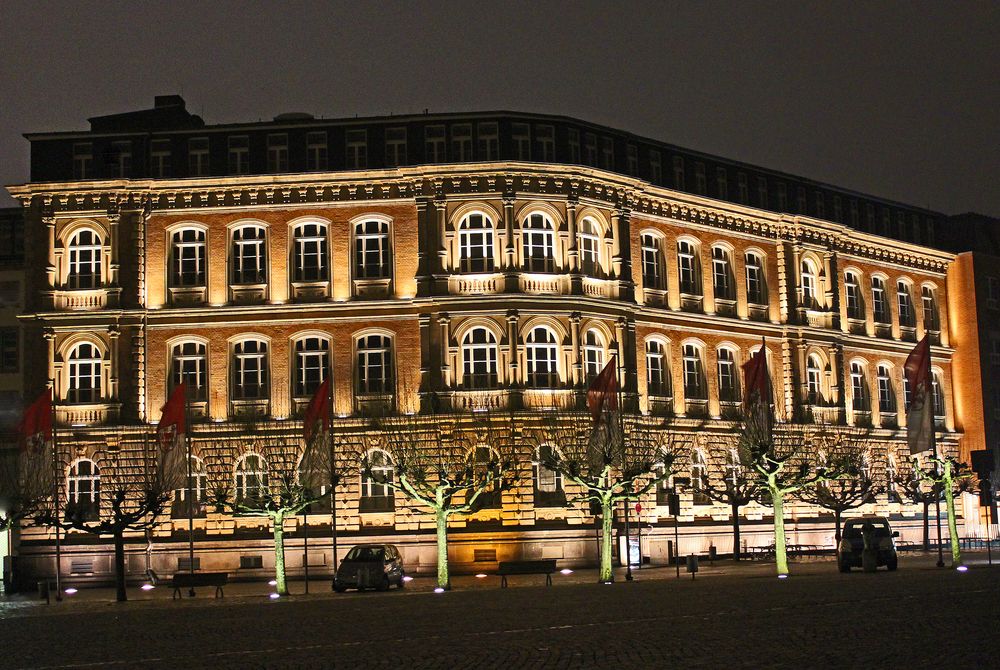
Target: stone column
(515, 380)
(51, 270)
(427, 389)
(426, 236)
(447, 379)
(576, 374)
(112, 394)
(572, 249)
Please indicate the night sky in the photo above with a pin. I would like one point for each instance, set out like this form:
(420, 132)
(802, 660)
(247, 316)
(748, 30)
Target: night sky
(898, 99)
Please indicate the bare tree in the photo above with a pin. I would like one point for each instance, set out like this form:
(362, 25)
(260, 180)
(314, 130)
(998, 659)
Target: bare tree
(447, 468)
(611, 462)
(272, 479)
(735, 484)
(953, 478)
(25, 483)
(133, 492)
(908, 481)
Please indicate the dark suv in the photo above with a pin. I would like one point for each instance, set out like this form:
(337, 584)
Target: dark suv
(852, 543)
(370, 566)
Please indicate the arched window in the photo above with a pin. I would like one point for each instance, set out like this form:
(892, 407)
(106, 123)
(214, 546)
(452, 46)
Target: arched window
(542, 355)
(83, 488)
(376, 493)
(932, 320)
(886, 392)
(189, 365)
(906, 394)
(880, 307)
(85, 374)
(699, 478)
(311, 252)
(590, 247)
(250, 370)
(249, 255)
(187, 249)
(374, 365)
(938, 391)
(657, 369)
(372, 253)
(251, 480)
(538, 243)
(193, 494)
(904, 304)
(729, 381)
(479, 359)
(485, 460)
(475, 242)
(814, 381)
(653, 274)
(852, 293)
(756, 279)
(688, 267)
(548, 484)
(85, 262)
(593, 354)
(859, 388)
(809, 279)
(694, 373)
(722, 274)
(312, 364)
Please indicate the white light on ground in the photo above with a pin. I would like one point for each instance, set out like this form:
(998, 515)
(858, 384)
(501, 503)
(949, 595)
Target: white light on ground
(407, 578)
(566, 571)
(147, 587)
(70, 591)
(274, 596)
(782, 576)
(480, 575)
(273, 582)
(439, 590)
(962, 568)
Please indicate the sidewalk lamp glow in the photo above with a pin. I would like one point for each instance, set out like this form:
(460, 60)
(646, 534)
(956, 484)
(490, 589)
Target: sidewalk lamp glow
(481, 575)
(70, 591)
(274, 596)
(273, 582)
(407, 578)
(147, 587)
(782, 576)
(962, 568)
(439, 590)
(566, 571)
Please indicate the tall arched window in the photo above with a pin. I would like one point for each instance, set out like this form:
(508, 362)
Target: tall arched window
(479, 359)
(653, 271)
(904, 305)
(85, 374)
(548, 484)
(187, 250)
(729, 381)
(193, 494)
(189, 365)
(590, 247)
(475, 243)
(694, 373)
(538, 243)
(83, 488)
(85, 262)
(809, 283)
(249, 255)
(852, 293)
(938, 392)
(886, 392)
(542, 351)
(756, 279)
(374, 365)
(251, 478)
(251, 370)
(699, 478)
(594, 348)
(372, 252)
(312, 364)
(814, 381)
(879, 305)
(932, 320)
(311, 252)
(657, 369)
(722, 274)
(688, 267)
(377, 495)
(859, 388)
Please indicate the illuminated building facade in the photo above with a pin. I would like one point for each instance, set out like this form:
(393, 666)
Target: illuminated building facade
(440, 264)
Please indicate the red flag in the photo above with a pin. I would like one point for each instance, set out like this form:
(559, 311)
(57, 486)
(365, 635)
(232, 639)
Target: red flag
(755, 378)
(35, 428)
(602, 394)
(317, 411)
(920, 415)
(172, 418)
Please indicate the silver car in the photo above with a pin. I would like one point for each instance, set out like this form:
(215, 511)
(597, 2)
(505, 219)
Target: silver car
(370, 566)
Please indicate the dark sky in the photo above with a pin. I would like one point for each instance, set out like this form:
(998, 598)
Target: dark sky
(894, 99)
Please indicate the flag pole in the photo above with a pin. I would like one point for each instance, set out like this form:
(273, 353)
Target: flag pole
(190, 487)
(333, 486)
(934, 450)
(55, 489)
(621, 429)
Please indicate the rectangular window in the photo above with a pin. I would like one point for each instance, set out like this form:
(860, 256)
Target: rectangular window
(434, 144)
(904, 303)
(820, 205)
(743, 195)
(395, 147)
(855, 215)
(652, 266)
(159, 158)
(852, 292)
(838, 209)
(929, 301)
(590, 149)
(870, 217)
(461, 142)
(277, 152)
(901, 225)
(687, 268)
(693, 387)
(755, 280)
(317, 152)
(879, 305)
(700, 180)
(782, 192)
(721, 282)
(679, 173)
(573, 141)
(83, 160)
(632, 156)
(655, 167)
(545, 140)
(885, 222)
(762, 192)
(520, 135)
(9, 358)
(722, 183)
(488, 136)
(239, 155)
(801, 205)
(356, 149)
(121, 159)
(198, 157)
(607, 153)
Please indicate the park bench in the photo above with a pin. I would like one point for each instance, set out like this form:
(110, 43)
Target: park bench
(185, 580)
(545, 566)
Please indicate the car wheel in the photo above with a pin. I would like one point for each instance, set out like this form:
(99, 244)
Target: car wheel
(338, 588)
(892, 564)
(843, 565)
(384, 584)
(402, 580)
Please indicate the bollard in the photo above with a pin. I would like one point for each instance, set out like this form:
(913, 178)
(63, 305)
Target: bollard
(692, 564)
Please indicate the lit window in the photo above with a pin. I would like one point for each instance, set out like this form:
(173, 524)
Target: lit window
(859, 388)
(852, 291)
(722, 281)
(756, 286)
(548, 484)
(356, 149)
(688, 266)
(83, 500)
(904, 303)
(879, 305)
(938, 393)
(312, 364)
(590, 247)
(931, 319)
(374, 365)
(886, 394)
(395, 147)
(85, 374)
(593, 354)
(371, 250)
(694, 386)
(188, 249)
(251, 480)
(479, 359)
(538, 243)
(729, 385)
(311, 252)
(250, 370)
(190, 367)
(541, 353)
(808, 284)
(652, 262)
(239, 155)
(657, 377)
(475, 239)
(814, 384)
(249, 255)
(277, 152)
(316, 151)
(699, 478)
(377, 494)
(85, 260)
(193, 494)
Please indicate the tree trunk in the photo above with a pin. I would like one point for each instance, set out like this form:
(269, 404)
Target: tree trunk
(279, 553)
(443, 579)
(949, 498)
(736, 532)
(120, 594)
(927, 525)
(606, 576)
(836, 533)
(780, 554)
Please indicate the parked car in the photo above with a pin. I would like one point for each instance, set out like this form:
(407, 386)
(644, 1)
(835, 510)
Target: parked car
(852, 543)
(370, 566)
